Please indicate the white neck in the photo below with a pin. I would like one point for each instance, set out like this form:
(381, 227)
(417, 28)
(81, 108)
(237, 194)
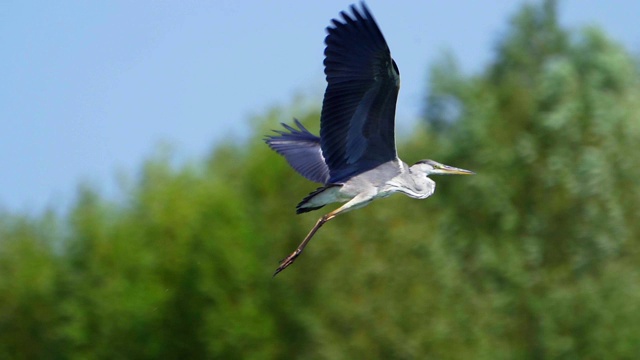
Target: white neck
(413, 183)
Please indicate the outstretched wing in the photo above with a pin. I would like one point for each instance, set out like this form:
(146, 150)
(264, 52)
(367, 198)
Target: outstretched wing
(301, 149)
(357, 122)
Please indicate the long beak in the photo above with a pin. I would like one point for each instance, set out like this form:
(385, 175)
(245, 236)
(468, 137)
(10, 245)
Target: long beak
(450, 170)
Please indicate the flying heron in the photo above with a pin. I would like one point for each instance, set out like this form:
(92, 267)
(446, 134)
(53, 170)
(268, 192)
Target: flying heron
(355, 156)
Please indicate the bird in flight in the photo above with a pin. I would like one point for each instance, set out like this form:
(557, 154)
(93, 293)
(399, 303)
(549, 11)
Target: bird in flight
(355, 156)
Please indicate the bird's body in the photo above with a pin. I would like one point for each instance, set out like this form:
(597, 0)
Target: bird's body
(355, 156)
(380, 182)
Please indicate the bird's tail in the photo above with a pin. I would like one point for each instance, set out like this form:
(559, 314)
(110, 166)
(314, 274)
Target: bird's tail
(316, 199)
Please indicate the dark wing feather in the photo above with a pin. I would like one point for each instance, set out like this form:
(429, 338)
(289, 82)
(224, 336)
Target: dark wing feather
(302, 151)
(357, 122)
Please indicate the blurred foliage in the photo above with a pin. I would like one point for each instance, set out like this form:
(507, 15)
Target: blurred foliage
(534, 257)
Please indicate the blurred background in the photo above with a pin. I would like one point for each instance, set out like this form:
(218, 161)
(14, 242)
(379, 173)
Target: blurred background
(141, 215)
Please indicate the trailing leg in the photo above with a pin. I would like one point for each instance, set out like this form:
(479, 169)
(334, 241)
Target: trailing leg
(358, 201)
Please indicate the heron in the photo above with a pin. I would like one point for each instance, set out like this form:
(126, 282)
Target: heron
(355, 157)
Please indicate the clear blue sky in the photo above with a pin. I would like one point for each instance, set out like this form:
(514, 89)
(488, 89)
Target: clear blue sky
(89, 89)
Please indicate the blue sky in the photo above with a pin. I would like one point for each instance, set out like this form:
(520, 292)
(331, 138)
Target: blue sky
(89, 89)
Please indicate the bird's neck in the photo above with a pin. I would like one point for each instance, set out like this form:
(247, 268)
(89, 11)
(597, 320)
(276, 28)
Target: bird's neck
(414, 184)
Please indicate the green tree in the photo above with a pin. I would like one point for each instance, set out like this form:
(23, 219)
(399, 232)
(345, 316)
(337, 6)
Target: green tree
(31, 288)
(549, 227)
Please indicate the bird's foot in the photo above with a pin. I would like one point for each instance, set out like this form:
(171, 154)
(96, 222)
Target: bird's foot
(287, 261)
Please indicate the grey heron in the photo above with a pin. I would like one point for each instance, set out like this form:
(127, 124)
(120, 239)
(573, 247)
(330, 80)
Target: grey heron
(355, 155)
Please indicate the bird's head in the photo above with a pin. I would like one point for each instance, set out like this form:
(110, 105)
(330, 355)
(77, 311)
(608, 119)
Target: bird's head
(430, 167)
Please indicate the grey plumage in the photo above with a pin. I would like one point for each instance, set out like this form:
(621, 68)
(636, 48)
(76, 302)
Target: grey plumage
(355, 156)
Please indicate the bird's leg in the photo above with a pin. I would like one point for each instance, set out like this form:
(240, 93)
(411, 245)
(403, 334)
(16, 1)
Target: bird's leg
(358, 201)
(291, 258)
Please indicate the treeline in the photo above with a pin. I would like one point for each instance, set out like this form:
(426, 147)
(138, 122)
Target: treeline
(534, 257)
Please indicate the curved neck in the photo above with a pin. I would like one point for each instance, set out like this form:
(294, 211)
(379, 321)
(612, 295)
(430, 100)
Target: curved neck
(414, 183)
